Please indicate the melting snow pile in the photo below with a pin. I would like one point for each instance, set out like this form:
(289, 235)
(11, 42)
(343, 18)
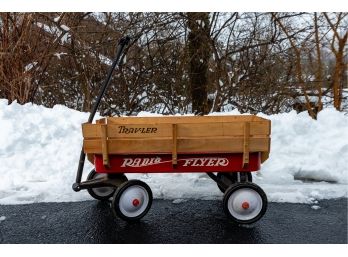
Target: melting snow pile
(40, 147)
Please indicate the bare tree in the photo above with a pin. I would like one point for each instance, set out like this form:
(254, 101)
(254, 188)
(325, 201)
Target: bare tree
(176, 62)
(337, 46)
(298, 65)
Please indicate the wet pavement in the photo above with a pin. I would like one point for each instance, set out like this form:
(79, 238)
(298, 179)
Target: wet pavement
(193, 221)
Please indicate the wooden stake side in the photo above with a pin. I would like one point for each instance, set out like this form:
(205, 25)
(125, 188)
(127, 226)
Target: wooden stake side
(174, 151)
(104, 145)
(246, 144)
(198, 134)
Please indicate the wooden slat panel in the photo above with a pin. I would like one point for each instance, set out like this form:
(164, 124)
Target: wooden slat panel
(118, 146)
(221, 129)
(184, 130)
(164, 145)
(128, 131)
(91, 130)
(139, 130)
(200, 129)
(226, 145)
(259, 128)
(129, 135)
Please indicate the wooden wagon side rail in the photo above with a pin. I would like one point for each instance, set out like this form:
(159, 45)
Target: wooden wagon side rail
(178, 135)
(192, 130)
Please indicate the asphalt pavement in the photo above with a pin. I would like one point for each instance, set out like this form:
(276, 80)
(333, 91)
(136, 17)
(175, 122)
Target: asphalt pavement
(192, 221)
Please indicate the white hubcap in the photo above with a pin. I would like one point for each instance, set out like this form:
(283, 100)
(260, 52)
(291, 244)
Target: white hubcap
(102, 191)
(244, 204)
(133, 201)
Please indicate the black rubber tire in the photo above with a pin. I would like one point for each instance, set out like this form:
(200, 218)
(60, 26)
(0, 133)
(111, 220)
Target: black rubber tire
(94, 194)
(231, 178)
(234, 188)
(116, 199)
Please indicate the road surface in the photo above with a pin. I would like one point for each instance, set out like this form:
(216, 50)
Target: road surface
(193, 221)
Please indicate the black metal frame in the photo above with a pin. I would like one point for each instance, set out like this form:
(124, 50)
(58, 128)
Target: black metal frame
(222, 183)
(78, 185)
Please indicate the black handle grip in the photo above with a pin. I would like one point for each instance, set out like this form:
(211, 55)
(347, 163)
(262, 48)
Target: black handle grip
(124, 41)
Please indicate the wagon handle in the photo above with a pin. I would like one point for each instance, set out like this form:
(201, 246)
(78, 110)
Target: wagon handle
(120, 48)
(123, 42)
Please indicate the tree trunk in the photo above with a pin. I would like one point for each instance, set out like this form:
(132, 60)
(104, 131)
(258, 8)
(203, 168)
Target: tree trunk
(338, 73)
(199, 52)
(319, 71)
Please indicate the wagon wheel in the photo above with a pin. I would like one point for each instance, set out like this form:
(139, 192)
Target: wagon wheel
(104, 193)
(132, 200)
(245, 203)
(232, 177)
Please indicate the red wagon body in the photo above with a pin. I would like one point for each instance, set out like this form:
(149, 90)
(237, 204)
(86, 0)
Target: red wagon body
(185, 163)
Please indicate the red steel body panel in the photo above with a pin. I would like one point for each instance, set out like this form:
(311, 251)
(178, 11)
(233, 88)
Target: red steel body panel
(162, 163)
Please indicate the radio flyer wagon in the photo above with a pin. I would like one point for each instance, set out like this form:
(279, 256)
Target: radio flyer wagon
(227, 148)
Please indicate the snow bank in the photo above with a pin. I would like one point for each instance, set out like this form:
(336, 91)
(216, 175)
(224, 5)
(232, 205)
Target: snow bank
(304, 151)
(39, 151)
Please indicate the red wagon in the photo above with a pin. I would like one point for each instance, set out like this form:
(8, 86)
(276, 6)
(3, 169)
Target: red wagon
(226, 148)
(231, 146)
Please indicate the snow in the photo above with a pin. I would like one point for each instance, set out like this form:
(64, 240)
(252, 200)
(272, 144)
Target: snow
(40, 147)
(59, 55)
(29, 66)
(64, 27)
(55, 31)
(105, 60)
(201, 23)
(177, 201)
(308, 149)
